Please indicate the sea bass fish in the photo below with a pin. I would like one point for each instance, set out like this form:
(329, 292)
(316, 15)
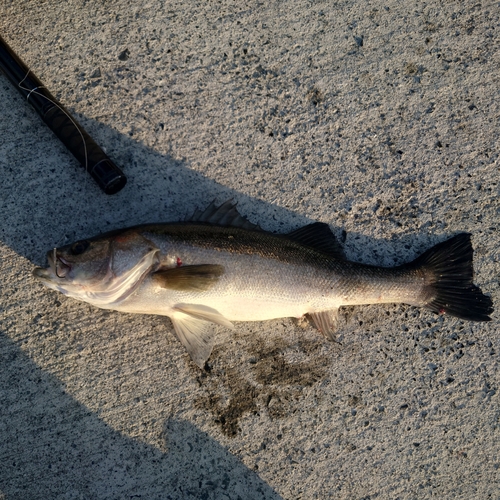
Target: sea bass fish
(218, 267)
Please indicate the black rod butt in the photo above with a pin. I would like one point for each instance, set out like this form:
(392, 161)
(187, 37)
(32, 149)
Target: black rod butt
(108, 176)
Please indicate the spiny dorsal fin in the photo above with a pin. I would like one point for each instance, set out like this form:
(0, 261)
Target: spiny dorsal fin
(319, 236)
(224, 215)
(326, 322)
(197, 278)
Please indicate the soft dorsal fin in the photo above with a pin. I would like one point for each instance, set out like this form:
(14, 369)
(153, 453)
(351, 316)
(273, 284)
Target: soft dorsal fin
(224, 215)
(319, 236)
(197, 278)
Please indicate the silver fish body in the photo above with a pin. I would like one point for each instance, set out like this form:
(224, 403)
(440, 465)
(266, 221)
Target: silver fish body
(219, 268)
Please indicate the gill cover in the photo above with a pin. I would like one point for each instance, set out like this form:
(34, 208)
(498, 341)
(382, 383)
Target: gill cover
(131, 257)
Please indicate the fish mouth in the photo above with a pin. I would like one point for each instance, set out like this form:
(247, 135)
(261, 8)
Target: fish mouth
(58, 268)
(61, 267)
(43, 274)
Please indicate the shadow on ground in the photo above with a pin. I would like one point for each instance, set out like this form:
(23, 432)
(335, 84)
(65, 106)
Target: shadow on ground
(47, 200)
(53, 447)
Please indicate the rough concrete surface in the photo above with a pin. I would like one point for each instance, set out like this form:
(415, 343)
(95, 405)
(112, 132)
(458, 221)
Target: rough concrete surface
(380, 118)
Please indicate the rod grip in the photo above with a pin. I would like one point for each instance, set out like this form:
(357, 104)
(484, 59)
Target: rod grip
(108, 176)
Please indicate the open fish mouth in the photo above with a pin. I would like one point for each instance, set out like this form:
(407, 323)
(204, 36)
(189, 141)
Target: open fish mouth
(61, 267)
(58, 268)
(47, 276)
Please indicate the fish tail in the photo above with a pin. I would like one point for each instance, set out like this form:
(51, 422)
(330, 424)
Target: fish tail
(449, 273)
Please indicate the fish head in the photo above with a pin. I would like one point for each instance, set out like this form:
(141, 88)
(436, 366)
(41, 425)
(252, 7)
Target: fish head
(99, 270)
(83, 263)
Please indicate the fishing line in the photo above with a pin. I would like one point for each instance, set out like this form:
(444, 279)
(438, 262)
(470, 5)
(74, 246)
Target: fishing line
(108, 176)
(86, 163)
(62, 109)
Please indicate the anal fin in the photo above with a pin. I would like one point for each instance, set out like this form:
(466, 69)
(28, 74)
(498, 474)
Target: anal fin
(326, 322)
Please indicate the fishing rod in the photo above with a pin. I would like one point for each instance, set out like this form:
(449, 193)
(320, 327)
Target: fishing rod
(108, 176)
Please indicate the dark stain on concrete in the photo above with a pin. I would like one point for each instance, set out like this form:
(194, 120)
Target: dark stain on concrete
(228, 397)
(267, 381)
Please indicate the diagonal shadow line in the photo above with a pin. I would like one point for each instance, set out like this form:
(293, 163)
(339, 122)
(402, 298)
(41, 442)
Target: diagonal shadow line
(46, 197)
(51, 446)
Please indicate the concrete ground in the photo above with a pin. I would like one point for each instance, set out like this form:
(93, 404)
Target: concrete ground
(379, 118)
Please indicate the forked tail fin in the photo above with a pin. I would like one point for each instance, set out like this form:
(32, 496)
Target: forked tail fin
(448, 274)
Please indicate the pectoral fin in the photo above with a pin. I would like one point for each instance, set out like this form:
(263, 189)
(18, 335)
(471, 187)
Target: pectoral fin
(326, 322)
(198, 278)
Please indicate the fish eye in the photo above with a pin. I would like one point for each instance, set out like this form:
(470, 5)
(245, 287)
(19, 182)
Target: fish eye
(79, 247)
